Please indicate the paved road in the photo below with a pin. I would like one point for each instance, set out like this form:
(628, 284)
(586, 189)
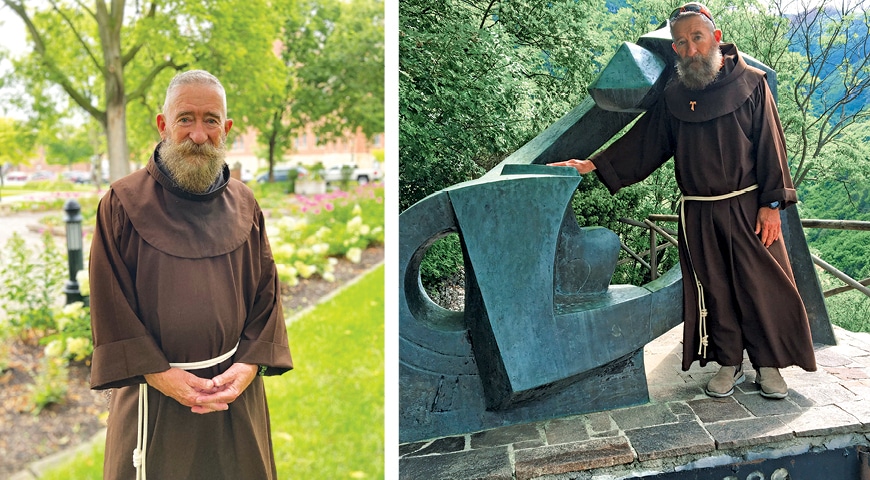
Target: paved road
(19, 223)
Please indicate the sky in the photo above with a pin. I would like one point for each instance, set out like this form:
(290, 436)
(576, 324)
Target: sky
(12, 35)
(12, 39)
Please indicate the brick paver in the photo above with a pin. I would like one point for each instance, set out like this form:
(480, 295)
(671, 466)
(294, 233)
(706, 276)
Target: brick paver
(680, 428)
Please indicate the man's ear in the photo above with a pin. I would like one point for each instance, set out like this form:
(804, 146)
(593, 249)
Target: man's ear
(161, 124)
(228, 124)
(717, 34)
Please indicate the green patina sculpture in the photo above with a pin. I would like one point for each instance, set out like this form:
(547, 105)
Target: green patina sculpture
(543, 333)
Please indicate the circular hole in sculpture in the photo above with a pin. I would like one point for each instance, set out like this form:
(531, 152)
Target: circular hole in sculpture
(442, 273)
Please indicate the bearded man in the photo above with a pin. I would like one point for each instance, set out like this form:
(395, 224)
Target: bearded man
(185, 305)
(719, 122)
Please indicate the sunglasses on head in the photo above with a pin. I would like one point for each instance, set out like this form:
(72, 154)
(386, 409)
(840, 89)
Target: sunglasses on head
(691, 8)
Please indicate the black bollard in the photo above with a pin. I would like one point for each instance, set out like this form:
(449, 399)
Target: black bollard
(73, 220)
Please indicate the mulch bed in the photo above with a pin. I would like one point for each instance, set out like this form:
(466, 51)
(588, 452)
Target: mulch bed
(26, 436)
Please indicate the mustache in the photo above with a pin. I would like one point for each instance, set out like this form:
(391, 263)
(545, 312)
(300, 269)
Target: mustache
(695, 59)
(189, 147)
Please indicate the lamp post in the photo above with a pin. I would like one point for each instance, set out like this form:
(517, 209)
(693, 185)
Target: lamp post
(73, 221)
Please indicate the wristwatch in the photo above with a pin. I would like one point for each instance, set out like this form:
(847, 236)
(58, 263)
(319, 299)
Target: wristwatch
(773, 205)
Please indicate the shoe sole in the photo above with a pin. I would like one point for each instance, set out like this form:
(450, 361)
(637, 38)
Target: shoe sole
(740, 379)
(775, 395)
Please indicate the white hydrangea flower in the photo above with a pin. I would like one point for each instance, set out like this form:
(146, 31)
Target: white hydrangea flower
(78, 348)
(84, 282)
(305, 270)
(73, 309)
(354, 255)
(286, 250)
(320, 249)
(286, 273)
(354, 224)
(54, 349)
(62, 322)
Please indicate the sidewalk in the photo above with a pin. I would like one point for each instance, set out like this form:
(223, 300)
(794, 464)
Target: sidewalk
(40, 467)
(681, 428)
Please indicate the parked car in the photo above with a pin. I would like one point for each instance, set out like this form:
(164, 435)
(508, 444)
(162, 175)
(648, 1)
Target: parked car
(41, 176)
(246, 176)
(282, 174)
(76, 176)
(16, 177)
(361, 175)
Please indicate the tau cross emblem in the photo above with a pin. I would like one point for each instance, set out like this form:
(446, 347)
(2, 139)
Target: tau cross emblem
(692, 105)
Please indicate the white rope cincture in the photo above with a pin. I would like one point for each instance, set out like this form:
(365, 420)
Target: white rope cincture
(142, 427)
(703, 337)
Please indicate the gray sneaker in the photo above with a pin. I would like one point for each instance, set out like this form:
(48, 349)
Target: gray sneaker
(771, 383)
(722, 384)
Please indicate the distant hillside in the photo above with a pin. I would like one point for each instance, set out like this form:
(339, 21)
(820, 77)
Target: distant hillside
(849, 251)
(855, 50)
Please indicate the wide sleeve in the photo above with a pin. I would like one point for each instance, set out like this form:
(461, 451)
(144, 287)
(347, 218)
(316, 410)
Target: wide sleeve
(264, 339)
(772, 171)
(124, 351)
(638, 153)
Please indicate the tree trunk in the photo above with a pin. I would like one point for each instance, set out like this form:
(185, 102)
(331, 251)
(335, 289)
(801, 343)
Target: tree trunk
(116, 99)
(116, 135)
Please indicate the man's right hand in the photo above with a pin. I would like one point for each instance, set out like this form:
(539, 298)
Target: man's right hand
(184, 388)
(582, 166)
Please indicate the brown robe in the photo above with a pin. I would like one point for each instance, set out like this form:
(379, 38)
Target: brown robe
(179, 277)
(724, 138)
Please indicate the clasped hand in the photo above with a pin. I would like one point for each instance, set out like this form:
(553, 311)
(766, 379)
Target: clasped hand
(204, 395)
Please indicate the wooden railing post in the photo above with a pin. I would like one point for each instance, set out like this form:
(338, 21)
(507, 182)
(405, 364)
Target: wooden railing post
(653, 255)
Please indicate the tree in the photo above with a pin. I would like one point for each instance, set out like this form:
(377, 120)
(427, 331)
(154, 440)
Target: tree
(68, 145)
(332, 75)
(17, 141)
(477, 80)
(104, 57)
(341, 80)
(56, 33)
(17, 144)
(822, 58)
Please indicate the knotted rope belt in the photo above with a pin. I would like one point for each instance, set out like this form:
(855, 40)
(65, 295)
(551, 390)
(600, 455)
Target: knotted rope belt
(702, 304)
(142, 428)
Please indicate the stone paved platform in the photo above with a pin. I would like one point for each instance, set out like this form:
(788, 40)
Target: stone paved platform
(681, 428)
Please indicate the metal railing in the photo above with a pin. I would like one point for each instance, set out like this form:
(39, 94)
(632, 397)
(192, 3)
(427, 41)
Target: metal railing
(670, 237)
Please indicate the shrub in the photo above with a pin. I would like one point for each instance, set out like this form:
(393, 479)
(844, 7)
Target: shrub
(50, 385)
(32, 284)
(72, 340)
(316, 229)
(442, 261)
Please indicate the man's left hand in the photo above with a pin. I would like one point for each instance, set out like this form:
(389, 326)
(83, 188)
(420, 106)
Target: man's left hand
(769, 225)
(229, 385)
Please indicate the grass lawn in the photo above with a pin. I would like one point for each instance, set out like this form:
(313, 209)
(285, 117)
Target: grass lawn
(327, 414)
(14, 191)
